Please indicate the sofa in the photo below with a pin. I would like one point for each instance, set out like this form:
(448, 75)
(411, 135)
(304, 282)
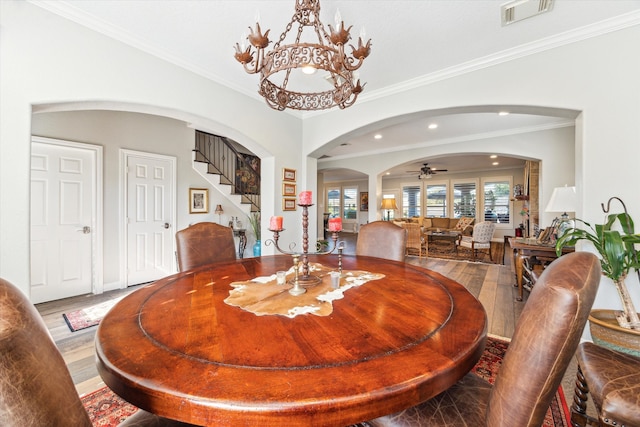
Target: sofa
(464, 224)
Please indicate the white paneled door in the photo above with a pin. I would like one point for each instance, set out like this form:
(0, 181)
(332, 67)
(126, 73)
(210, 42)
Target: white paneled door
(63, 219)
(150, 195)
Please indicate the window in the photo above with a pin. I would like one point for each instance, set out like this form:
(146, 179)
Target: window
(496, 201)
(411, 201)
(350, 203)
(333, 201)
(437, 200)
(464, 199)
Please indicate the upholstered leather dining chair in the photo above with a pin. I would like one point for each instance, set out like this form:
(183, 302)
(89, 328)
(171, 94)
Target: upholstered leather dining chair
(204, 243)
(544, 342)
(36, 389)
(382, 239)
(613, 381)
(480, 238)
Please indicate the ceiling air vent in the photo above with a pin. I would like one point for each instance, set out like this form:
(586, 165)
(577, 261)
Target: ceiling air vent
(518, 10)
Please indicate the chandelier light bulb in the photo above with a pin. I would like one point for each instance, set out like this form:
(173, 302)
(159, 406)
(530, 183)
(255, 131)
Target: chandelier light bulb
(309, 69)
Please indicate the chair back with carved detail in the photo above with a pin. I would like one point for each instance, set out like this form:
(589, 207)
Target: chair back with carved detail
(204, 243)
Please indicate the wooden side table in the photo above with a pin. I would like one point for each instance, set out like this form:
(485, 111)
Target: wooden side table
(524, 249)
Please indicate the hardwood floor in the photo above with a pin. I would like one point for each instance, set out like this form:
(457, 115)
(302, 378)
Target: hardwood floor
(491, 284)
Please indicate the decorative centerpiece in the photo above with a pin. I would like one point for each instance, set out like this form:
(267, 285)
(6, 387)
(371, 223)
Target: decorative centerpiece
(306, 279)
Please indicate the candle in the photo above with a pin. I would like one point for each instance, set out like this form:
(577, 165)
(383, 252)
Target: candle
(335, 224)
(304, 198)
(275, 223)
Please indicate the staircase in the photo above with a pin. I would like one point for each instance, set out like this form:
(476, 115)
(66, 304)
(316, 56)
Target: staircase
(228, 170)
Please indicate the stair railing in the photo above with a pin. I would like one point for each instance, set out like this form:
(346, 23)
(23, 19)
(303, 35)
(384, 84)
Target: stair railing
(223, 159)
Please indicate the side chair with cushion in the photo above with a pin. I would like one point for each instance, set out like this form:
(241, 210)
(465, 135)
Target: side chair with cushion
(204, 243)
(479, 239)
(36, 389)
(613, 380)
(544, 342)
(382, 239)
(415, 241)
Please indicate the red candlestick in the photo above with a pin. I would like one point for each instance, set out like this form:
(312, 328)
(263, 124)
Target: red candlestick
(305, 198)
(335, 224)
(275, 223)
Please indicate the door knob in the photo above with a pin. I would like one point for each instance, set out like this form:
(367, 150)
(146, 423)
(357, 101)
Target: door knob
(85, 230)
(166, 225)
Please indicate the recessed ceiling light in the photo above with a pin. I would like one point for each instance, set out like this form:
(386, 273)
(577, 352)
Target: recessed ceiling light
(503, 113)
(377, 136)
(495, 163)
(493, 156)
(388, 173)
(433, 126)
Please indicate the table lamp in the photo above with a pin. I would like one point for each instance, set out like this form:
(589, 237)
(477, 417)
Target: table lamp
(388, 205)
(219, 212)
(563, 200)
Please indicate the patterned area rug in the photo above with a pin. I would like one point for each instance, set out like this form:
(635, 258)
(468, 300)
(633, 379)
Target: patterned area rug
(89, 316)
(446, 250)
(106, 409)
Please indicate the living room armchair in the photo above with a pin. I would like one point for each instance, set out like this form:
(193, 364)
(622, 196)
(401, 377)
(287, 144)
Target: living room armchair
(479, 239)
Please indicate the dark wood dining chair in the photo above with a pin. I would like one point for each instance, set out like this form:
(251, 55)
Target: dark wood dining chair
(382, 239)
(543, 344)
(204, 243)
(613, 381)
(36, 389)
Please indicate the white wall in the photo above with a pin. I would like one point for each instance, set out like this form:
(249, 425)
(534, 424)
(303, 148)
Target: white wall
(115, 130)
(50, 63)
(596, 76)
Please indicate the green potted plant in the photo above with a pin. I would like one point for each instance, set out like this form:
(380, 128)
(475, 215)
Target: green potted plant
(614, 241)
(254, 220)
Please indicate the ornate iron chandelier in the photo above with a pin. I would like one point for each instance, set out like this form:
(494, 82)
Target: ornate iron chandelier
(275, 67)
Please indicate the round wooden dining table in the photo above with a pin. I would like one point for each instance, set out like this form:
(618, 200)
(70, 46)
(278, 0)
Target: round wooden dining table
(177, 349)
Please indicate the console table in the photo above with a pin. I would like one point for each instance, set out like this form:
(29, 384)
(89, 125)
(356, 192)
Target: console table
(524, 249)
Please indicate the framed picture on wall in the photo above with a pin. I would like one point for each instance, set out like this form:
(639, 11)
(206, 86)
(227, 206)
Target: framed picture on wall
(198, 200)
(364, 201)
(288, 174)
(288, 189)
(288, 204)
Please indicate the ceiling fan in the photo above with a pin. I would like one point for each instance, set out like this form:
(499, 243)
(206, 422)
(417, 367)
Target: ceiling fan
(427, 171)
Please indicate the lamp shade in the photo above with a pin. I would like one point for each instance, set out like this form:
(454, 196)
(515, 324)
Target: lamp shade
(563, 199)
(219, 210)
(389, 204)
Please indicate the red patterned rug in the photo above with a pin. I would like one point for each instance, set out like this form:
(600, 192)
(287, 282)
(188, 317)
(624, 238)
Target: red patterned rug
(106, 409)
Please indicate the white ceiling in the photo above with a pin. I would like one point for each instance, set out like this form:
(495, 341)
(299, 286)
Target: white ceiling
(412, 41)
